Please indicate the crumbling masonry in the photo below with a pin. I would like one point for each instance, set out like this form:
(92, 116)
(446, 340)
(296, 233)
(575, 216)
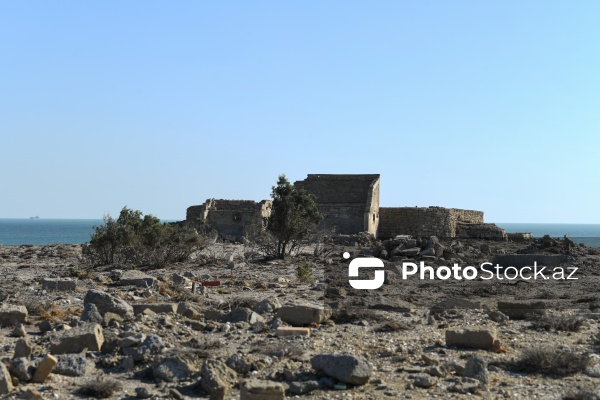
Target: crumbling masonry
(350, 205)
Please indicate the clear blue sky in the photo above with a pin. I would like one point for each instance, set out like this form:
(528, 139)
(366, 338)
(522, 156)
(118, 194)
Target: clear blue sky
(492, 106)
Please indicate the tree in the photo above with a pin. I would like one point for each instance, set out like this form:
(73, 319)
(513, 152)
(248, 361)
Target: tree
(294, 216)
(139, 239)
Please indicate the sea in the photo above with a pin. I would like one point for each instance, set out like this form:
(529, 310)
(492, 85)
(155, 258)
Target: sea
(16, 231)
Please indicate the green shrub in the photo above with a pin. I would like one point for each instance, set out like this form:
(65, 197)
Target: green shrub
(137, 239)
(305, 272)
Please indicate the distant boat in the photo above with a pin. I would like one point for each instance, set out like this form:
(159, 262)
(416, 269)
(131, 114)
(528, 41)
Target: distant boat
(36, 217)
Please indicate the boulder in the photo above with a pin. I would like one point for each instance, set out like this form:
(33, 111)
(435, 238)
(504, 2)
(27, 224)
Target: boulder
(106, 302)
(345, 368)
(90, 313)
(6, 385)
(171, 368)
(11, 314)
(217, 379)
(72, 365)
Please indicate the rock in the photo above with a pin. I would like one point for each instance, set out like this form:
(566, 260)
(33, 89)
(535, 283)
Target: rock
(142, 393)
(159, 308)
(243, 363)
(72, 365)
(6, 385)
(91, 314)
(189, 310)
(45, 326)
(476, 368)
(243, 314)
(44, 369)
(423, 380)
(132, 340)
(22, 369)
(59, 284)
(303, 387)
(521, 309)
(137, 278)
(217, 378)
(291, 331)
(112, 319)
(454, 303)
(108, 303)
(343, 367)
(254, 389)
(85, 336)
(267, 306)
(171, 368)
(473, 338)
(179, 280)
(413, 252)
(19, 331)
(465, 386)
(497, 316)
(23, 348)
(11, 315)
(303, 314)
(390, 304)
(151, 346)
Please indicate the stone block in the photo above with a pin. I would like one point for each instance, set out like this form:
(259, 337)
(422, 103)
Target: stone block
(255, 389)
(299, 314)
(59, 284)
(473, 338)
(137, 278)
(291, 331)
(86, 336)
(11, 315)
(44, 369)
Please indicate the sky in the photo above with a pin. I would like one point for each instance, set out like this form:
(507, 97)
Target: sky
(158, 105)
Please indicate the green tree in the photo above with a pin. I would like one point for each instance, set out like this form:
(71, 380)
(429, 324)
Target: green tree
(134, 238)
(294, 216)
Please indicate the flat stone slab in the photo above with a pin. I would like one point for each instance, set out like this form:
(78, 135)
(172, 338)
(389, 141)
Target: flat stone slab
(159, 308)
(137, 278)
(59, 284)
(521, 309)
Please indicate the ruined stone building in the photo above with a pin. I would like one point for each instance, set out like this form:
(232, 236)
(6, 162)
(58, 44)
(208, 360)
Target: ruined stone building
(230, 218)
(350, 204)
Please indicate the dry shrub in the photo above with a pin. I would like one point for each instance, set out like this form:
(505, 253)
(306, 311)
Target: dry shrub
(551, 361)
(53, 314)
(101, 388)
(566, 323)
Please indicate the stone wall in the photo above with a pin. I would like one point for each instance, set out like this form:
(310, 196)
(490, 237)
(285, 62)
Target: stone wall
(424, 221)
(350, 203)
(230, 218)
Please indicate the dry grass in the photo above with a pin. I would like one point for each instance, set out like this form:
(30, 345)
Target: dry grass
(551, 361)
(566, 323)
(101, 388)
(57, 315)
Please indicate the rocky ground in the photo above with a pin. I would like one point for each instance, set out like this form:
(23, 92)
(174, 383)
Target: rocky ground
(223, 325)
